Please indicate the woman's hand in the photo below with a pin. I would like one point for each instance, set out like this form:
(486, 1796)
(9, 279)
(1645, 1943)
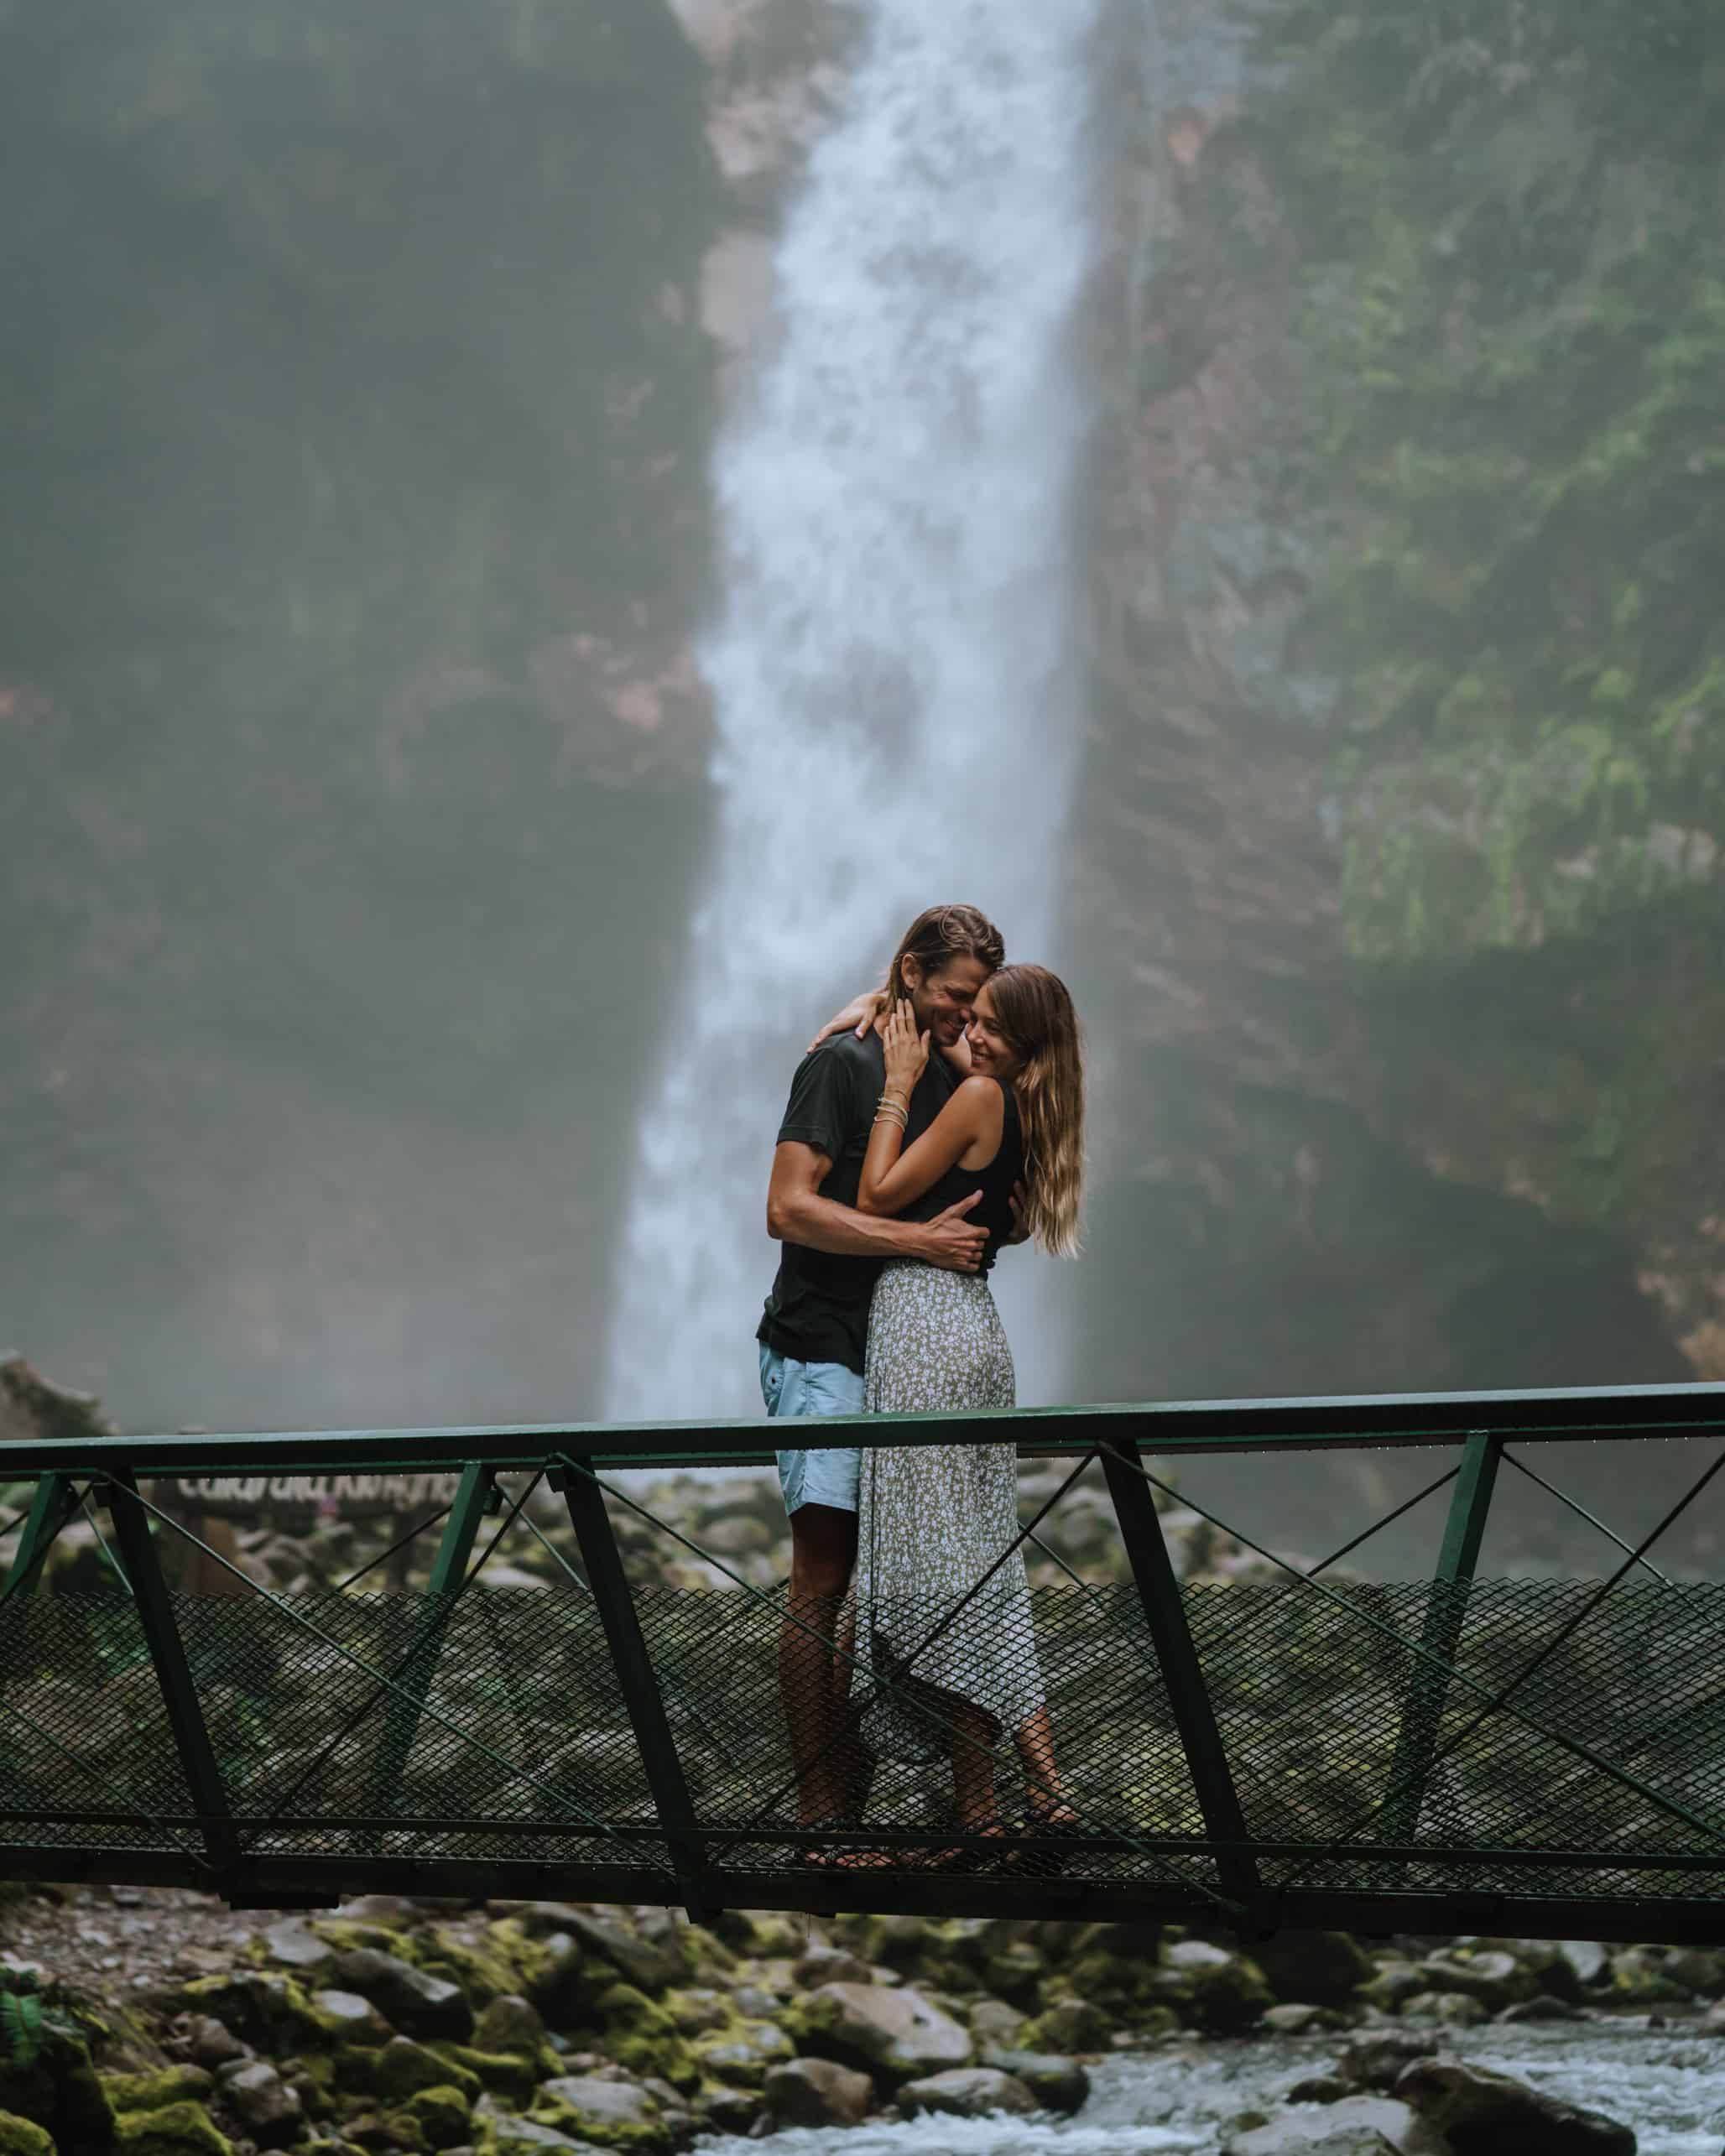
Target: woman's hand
(858, 1016)
(905, 1050)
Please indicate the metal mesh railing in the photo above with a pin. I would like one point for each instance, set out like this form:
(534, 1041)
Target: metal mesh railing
(526, 1747)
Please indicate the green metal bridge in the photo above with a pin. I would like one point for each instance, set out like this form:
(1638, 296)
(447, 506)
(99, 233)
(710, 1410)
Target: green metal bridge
(1543, 1756)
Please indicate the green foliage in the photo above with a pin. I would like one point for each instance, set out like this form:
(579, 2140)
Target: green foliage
(1512, 361)
(26, 2022)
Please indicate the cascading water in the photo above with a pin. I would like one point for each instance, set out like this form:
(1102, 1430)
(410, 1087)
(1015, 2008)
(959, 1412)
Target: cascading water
(892, 670)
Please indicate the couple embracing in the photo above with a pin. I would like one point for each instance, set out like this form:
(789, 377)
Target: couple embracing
(929, 1125)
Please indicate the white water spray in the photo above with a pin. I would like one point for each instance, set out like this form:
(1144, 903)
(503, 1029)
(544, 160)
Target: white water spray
(892, 671)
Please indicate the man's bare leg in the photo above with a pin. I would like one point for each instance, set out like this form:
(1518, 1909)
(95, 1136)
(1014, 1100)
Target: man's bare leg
(814, 1680)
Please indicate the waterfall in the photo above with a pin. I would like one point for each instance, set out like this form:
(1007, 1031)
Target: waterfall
(891, 666)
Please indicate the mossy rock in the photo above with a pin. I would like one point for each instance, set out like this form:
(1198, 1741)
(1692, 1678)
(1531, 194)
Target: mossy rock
(603, 2114)
(401, 2069)
(443, 2115)
(642, 2036)
(23, 2136)
(269, 2011)
(344, 1936)
(181, 2129)
(508, 2074)
(484, 1972)
(172, 2085)
(59, 2089)
(407, 2135)
(744, 2056)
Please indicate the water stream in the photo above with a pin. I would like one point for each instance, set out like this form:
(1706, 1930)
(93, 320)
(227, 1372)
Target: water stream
(895, 690)
(1185, 2098)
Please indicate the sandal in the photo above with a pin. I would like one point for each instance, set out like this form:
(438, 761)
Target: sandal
(1043, 1823)
(961, 1859)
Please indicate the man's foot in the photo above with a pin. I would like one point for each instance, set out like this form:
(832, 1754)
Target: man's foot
(968, 1857)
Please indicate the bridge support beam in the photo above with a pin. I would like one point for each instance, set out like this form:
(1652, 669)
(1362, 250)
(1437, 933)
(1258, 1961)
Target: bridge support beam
(179, 1693)
(1188, 1693)
(1464, 1531)
(51, 1506)
(639, 1681)
(448, 1569)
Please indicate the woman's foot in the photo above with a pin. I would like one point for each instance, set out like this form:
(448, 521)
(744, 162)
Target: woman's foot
(1048, 1817)
(967, 1857)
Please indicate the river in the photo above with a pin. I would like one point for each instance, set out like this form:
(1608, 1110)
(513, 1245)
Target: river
(1185, 2096)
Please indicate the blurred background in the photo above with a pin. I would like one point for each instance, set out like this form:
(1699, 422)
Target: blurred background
(537, 532)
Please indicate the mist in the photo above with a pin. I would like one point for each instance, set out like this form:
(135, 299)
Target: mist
(372, 596)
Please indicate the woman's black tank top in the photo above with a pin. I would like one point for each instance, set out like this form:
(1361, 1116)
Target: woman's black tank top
(993, 1209)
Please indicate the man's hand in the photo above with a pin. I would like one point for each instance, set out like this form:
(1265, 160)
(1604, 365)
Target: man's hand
(949, 1240)
(1020, 1226)
(856, 1016)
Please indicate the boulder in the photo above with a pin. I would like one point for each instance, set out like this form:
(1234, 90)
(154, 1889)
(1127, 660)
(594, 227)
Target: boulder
(1587, 1960)
(1712, 2022)
(898, 2035)
(400, 2068)
(992, 2021)
(262, 2103)
(181, 2129)
(830, 1964)
(22, 2136)
(1378, 2061)
(1221, 1992)
(527, 2137)
(1480, 2113)
(1357, 2126)
(1395, 1982)
(1300, 2021)
(407, 1998)
(1313, 1968)
(617, 2114)
(1640, 1976)
(817, 2092)
(345, 2018)
(171, 2085)
(510, 2023)
(650, 1964)
(295, 1945)
(745, 2055)
(1057, 2083)
(1069, 2025)
(1456, 2008)
(1495, 1979)
(967, 2092)
(209, 2044)
(443, 2116)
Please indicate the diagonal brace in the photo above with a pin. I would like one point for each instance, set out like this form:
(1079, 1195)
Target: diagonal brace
(1182, 1672)
(179, 1693)
(645, 1703)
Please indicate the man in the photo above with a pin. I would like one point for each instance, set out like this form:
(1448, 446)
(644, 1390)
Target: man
(814, 1333)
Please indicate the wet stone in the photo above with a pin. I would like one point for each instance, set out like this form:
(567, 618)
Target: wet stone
(1453, 2007)
(1357, 2126)
(967, 2092)
(1480, 2113)
(415, 2003)
(1057, 2083)
(262, 2101)
(817, 2092)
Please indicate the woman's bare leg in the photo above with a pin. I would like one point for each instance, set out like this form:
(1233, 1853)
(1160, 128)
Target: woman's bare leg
(1044, 1792)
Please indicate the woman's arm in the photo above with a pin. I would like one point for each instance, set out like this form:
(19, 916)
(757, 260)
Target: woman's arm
(894, 1177)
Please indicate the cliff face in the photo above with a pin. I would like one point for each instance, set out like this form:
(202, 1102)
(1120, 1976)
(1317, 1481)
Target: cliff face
(1403, 801)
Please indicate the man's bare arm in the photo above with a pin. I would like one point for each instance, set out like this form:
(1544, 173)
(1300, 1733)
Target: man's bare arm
(796, 1212)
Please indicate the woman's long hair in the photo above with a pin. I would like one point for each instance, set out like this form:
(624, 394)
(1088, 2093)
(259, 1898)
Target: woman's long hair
(1035, 1014)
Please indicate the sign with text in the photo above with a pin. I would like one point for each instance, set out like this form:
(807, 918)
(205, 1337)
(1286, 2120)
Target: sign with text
(291, 1502)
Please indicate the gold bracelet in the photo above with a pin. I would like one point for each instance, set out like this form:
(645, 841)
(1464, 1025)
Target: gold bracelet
(888, 1114)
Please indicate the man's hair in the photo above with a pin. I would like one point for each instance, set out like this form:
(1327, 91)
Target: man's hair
(941, 935)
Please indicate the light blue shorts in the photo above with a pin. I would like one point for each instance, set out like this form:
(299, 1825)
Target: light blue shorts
(823, 1476)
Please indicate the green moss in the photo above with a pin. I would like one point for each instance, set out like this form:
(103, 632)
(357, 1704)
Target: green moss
(152, 2091)
(178, 2129)
(19, 2136)
(401, 2069)
(642, 2036)
(444, 2114)
(504, 2073)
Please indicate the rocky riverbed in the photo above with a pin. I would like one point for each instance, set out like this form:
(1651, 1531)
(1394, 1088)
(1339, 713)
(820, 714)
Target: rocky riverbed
(154, 2023)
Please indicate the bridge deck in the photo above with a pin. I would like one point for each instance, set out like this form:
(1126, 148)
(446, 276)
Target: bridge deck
(1534, 1756)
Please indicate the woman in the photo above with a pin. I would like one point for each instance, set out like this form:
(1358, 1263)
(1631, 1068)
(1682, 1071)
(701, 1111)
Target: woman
(934, 1522)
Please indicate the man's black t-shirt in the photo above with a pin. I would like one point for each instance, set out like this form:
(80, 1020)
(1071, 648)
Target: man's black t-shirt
(818, 1310)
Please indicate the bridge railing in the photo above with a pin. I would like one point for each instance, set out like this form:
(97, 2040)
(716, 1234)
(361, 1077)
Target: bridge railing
(1539, 1756)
